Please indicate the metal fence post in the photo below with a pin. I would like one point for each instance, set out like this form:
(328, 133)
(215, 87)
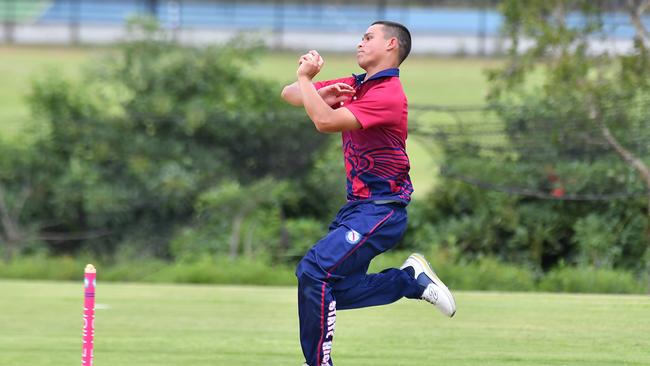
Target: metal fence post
(181, 25)
(75, 21)
(482, 27)
(278, 24)
(151, 8)
(175, 17)
(9, 21)
(381, 10)
(406, 11)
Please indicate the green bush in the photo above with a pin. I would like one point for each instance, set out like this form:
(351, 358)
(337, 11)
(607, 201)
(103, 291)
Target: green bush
(595, 236)
(130, 271)
(225, 271)
(591, 280)
(130, 150)
(565, 113)
(304, 233)
(473, 223)
(485, 274)
(219, 270)
(488, 274)
(44, 268)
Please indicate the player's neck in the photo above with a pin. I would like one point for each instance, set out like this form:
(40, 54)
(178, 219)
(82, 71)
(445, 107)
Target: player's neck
(372, 70)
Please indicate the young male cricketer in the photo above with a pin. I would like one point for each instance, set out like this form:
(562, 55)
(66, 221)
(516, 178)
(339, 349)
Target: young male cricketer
(370, 110)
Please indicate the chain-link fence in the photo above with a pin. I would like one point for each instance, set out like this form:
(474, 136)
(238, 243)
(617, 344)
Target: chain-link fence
(438, 26)
(469, 26)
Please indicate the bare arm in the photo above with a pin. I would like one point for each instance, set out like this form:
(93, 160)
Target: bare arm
(330, 95)
(318, 103)
(324, 117)
(292, 95)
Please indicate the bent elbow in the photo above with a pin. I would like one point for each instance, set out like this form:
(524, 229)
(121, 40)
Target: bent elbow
(289, 95)
(320, 128)
(324, 126)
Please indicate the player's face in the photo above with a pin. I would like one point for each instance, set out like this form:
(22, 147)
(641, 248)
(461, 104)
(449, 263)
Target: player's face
(372, 47)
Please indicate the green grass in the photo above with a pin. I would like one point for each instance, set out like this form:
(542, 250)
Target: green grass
(251, 326)
(426, 80)
(18, 67)
(485, 274)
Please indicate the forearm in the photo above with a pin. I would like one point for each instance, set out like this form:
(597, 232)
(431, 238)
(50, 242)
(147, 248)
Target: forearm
(292, 94)
(317, 110)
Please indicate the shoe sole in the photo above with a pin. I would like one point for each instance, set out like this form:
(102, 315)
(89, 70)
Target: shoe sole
(427, 268)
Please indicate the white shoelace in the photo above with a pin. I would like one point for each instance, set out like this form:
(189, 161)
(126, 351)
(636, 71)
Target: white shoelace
(430, 294)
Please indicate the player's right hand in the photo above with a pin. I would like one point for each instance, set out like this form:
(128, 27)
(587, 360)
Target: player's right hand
(310, 64)
(312, 55)
(336, 93)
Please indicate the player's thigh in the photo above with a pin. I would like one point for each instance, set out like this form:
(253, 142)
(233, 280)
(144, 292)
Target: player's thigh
(348, 249)
(382, 230)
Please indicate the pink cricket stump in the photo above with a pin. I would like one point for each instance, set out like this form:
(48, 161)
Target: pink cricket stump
(89, 315)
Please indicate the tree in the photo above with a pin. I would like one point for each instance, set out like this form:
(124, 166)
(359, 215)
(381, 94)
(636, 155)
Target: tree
(568, 167)
(132, 145)
(604, 89)
(592, 101)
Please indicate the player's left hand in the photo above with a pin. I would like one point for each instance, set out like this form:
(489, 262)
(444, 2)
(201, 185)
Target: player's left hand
(310, 64)
(336, 93)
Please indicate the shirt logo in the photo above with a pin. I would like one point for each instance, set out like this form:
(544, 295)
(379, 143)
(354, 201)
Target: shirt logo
(352, 237)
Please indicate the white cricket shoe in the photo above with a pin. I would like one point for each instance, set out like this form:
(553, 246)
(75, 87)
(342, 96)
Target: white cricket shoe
(435, 290)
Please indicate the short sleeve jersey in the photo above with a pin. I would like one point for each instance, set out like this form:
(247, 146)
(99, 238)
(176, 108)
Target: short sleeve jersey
(376, 162)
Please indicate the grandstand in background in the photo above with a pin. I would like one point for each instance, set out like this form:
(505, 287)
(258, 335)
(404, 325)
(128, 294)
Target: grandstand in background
(441, 27)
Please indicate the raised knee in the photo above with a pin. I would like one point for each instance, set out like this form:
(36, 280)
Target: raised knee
(308, 266)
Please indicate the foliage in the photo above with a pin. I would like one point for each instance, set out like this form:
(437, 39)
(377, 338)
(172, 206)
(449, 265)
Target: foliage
(135, 150)
(590, 280)
(473, 222)
(593, 206)
(485, 274)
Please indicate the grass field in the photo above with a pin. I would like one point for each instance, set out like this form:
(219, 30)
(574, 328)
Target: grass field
(18, 67)
(426, 80)
(251, 326)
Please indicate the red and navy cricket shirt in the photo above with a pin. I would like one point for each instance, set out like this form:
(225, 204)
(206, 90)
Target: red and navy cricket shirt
(376, 163)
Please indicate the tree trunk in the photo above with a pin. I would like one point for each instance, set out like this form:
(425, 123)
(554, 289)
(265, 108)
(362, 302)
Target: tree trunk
(633, 161)
(627, 156)
(285, 238)
(235, 234)
(636, 17)
(630, 159)
(12, 233)
(7, 253)
(248, 241)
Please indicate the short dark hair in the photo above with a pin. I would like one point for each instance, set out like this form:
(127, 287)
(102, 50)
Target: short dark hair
(394, 29)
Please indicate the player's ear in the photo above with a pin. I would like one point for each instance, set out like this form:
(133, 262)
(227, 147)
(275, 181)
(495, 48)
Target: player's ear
(392, 43)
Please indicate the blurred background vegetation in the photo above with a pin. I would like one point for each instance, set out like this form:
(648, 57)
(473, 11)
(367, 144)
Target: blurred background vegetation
(165, 162)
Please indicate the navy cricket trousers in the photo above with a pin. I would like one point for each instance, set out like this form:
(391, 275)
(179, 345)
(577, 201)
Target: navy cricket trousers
(332, 275)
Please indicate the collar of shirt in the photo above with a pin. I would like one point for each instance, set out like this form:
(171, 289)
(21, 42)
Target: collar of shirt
(358, 79)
